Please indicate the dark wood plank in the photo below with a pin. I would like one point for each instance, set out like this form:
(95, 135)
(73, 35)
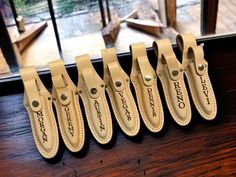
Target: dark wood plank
(111, 31)
(171, 12)
(28, 36)
(167, 12)
(209, 11)
(203, 150)
(148, 26)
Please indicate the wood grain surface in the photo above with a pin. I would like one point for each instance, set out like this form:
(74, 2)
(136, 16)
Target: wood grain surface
(202, 149)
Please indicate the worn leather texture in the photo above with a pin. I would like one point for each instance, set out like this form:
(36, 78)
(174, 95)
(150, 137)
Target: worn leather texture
(196, 71)
(92, 92)
(38, 103)
(144, 80)
(118, 88)
(170, 72)
(66, 100)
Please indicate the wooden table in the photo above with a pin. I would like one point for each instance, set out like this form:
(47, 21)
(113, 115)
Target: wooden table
(202, 149)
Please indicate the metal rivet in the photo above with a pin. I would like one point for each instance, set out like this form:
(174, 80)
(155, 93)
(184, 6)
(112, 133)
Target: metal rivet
(118, 83)
(175, 73)
(200, 67)
(80, 91)
(93, 90)
(102, 85)
(35, 103)
(49, 98)
(148, 78)
(54, 99)
(63, 97)
(127, 80)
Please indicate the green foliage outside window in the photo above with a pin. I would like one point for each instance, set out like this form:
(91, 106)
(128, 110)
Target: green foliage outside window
(23, 3)
(19, 3)
(65, 7)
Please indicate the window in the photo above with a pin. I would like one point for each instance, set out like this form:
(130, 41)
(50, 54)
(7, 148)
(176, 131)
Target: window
(53, 29)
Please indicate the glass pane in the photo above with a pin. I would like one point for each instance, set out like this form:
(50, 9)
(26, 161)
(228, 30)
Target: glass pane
(87, 26)
(79, 25)
(29, 34)
(43, 47)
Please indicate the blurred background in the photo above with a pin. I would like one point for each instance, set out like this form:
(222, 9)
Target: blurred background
(35, 32)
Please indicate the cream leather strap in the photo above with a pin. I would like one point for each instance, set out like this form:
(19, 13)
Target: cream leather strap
(87, 72)
(116, 76)
(38, 103)
(93, 88)
(32, 86)
(145, 71)
(137, 50)
(92, 92)
(144, 80)
(140, 63)
(118, 89)
(166, 56)
(113, 69)
(170, 73)
(184, 42)
(196, 71)
(190, 51)
(197, 55)
(66, 101)
(59, 80)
